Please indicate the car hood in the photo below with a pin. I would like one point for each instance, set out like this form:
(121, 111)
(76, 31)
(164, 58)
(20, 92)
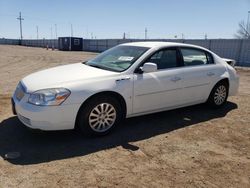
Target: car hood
(61, 75)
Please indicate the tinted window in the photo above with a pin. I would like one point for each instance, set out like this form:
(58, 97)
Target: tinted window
(193, 57)
(164, 59)
(210, 58)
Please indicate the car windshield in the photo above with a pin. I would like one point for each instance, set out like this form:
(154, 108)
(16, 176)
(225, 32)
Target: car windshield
(118, 58)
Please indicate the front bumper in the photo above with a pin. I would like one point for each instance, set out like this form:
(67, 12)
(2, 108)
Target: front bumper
(60, 117)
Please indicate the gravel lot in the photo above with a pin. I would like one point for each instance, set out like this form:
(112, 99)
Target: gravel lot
(189, 147)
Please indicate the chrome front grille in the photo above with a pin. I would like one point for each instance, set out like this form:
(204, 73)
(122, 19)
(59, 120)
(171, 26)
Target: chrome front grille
(20, 92)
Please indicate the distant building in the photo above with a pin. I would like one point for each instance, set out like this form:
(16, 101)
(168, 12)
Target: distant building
(70, 43)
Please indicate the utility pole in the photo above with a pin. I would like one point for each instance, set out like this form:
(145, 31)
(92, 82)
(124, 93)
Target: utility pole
(37, 36)
(146, 33)
(51, 34)
(206, 36)
(56, 30)
(247, 31)
(20, 20)
(71, 30)
(87, 33)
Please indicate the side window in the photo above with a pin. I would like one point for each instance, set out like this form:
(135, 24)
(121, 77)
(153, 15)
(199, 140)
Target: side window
(210, 58)
(164, 59)
(193, 57)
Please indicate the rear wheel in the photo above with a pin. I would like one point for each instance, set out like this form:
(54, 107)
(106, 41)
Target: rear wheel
(219, 94)
(99, 116)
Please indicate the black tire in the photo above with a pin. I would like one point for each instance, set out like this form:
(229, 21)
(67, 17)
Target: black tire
(90, 108)
(219, 94)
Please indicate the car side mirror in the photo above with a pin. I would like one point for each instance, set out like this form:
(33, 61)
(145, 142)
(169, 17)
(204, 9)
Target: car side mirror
(149, 67)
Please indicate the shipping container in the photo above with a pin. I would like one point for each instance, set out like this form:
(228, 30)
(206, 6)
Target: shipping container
(70, 43)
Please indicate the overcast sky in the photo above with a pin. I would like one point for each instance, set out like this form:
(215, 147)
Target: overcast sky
(111, 18)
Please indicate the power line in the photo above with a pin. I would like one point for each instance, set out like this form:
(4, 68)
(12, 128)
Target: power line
(20, 20)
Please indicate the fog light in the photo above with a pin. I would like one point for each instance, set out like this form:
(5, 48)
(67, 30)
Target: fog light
(24, 119)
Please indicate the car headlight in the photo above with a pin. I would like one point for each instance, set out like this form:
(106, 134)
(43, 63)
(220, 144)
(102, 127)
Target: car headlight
(49, 97)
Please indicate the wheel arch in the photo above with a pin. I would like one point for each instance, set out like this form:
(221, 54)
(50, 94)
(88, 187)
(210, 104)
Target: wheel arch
(116, 95)
(222, 80)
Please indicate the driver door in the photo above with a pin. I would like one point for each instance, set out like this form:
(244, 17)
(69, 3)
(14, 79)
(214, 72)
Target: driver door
(160, 89)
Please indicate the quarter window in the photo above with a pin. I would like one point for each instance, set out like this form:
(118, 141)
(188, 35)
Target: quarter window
(192, 57)
(164, 59)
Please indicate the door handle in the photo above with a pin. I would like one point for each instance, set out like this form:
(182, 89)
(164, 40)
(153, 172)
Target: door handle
(210, 74)
(122, 79)
(175, 79)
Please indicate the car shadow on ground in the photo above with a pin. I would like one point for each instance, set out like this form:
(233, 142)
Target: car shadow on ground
(49, 146)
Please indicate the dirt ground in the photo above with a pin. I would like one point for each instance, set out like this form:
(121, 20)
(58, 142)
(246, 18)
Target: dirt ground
(189, 147)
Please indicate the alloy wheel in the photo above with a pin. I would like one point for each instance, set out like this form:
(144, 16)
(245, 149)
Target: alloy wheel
(220, 95)
(102, 117)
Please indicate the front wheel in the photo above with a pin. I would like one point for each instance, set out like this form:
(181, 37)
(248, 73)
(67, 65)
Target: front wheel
(219, 94)
(99, 115)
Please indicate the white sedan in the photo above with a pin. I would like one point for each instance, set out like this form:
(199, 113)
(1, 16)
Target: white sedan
(128, 80)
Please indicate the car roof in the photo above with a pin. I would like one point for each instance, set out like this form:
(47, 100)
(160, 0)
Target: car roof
(160, 44)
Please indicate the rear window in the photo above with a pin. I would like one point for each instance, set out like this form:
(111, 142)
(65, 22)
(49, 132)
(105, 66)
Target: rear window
(193, 57)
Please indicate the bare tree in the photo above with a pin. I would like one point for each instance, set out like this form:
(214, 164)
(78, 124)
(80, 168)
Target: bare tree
(243, 31)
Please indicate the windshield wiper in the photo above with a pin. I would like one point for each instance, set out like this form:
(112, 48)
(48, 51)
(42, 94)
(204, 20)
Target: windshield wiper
(101, 67)
(96, 66)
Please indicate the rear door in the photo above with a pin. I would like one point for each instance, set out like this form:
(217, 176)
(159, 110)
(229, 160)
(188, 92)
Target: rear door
(200, 73)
